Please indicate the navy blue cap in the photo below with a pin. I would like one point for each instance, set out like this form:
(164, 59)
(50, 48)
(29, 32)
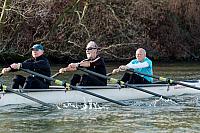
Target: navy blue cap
(37, 47)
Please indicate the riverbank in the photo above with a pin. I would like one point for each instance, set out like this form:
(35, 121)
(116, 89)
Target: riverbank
(118, 27)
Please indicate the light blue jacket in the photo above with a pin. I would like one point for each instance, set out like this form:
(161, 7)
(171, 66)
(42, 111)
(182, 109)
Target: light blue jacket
(146, 70)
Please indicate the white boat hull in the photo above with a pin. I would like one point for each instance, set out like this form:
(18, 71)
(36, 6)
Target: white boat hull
(59, 95)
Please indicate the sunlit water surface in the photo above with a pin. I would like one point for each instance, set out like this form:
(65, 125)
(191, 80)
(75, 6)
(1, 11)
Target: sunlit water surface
(144, 115)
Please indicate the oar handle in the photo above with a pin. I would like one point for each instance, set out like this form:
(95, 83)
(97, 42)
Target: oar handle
(55, 75)
(109, 74)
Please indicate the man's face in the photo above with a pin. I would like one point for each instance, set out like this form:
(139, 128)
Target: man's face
(37, 53)
(140, 55)
(91, 51)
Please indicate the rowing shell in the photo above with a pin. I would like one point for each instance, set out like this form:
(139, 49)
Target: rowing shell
(58, 94)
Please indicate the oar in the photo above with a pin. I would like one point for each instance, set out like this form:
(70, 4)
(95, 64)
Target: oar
(1, 74)
(63, 83)
(168, 80)
(108, 74)
(55, 75)
(3, 87)
(123, 83)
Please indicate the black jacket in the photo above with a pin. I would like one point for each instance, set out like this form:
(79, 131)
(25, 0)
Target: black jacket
(97, 65)
(39, 65)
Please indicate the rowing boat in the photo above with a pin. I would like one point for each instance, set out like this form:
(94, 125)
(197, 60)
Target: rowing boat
(58, 94)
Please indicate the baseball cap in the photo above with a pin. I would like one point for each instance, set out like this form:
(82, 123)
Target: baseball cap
(37, 47)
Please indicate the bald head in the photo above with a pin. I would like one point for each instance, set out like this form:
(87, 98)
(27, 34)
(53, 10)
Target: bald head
(140, 54)
(92, 44)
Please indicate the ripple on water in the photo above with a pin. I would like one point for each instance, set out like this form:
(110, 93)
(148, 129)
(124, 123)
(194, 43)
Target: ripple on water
(142, 116)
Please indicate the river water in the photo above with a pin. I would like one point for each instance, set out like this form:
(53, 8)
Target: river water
(144, 115)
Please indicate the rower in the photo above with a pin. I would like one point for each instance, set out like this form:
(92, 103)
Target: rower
(93, 63)
(37, 63)
(140, 64)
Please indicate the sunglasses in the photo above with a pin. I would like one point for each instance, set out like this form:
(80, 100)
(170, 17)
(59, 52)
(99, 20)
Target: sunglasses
(90, 48)
(36, 49)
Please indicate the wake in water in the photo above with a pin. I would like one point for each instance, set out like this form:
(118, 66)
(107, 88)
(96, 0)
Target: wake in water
(184, 100)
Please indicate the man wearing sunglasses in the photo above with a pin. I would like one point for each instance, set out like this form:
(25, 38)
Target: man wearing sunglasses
(93, 63)
(37, 63)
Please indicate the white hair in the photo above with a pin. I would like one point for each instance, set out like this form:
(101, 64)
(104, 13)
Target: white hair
(93, 44)
(143, 50)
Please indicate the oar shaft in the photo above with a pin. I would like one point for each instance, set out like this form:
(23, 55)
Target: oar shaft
(55, 75)
(59, 82)
(187, 85)
(93, 73)
(37, 74)
(137, 88)
(150, 92)
(166, 80)
(148, 75)
(108, 74)
(97, 95)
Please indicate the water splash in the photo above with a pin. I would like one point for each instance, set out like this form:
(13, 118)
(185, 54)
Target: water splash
(163, 102)
(86, 105)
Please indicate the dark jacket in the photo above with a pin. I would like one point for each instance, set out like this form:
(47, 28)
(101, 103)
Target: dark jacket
(39, 65)
(97, 65)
